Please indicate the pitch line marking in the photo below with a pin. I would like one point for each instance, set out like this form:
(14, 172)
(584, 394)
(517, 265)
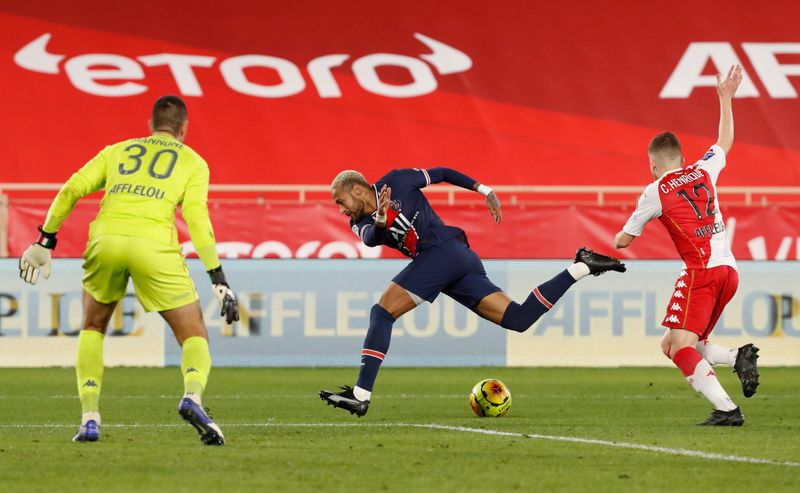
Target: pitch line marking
(313, 395)
(461, 429)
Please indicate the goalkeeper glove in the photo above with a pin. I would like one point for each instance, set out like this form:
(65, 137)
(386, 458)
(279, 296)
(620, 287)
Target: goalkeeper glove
(229, 307)
(37, 257)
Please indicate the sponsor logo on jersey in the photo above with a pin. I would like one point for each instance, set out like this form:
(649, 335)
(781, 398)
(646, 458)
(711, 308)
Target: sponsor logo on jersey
(672, 319)
(680, 284)
(708, 155)
(709, 230)
(677, 294)
(404, 233)
(141, 190)
(676, 307)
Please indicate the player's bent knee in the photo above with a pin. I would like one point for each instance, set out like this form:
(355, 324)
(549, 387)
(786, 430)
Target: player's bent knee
(665, 348)
(379, 313)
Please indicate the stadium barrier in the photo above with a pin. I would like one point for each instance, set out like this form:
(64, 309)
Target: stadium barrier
(299, 313)
(300, 221)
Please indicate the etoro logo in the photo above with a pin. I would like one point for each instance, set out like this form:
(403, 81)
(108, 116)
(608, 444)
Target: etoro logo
(88, 71)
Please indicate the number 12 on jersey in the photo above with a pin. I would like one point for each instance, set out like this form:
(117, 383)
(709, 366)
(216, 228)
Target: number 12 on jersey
(696, 191)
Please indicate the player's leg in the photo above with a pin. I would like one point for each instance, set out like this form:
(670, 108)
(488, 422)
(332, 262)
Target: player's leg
(702, 378)
(105, 280)
(187, 324)
(688, 319)
(744, 359)
(716, 354)
(500, 309)
(394, 303)
(421, 280)
(89, 365)
(162, 283)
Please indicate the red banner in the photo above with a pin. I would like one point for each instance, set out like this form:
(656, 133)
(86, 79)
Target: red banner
(308, 231)
(547, 93)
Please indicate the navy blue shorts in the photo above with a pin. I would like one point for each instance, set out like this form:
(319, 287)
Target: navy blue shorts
(451, 268)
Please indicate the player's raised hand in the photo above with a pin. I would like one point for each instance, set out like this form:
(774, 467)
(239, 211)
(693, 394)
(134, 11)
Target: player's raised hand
(384, 197)
(727, 88)
(493, 203)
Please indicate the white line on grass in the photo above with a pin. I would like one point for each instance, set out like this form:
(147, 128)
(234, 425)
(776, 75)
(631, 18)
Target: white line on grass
(686, 396)
(461, 429)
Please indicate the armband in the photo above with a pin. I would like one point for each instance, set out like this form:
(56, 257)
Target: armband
(47, 240)
(484, 190)
(217, 276)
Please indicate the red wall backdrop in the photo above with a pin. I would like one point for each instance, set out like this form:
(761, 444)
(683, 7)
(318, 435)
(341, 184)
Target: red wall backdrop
(541, 93)
(557, 92)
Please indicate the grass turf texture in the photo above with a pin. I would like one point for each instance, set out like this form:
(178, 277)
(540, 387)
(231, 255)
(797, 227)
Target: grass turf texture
(653, 407)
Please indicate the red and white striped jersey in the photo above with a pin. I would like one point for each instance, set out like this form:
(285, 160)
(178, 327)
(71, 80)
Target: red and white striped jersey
(685, 201)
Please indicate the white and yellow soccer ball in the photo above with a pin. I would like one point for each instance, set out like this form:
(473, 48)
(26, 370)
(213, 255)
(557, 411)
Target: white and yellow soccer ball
(490, 397)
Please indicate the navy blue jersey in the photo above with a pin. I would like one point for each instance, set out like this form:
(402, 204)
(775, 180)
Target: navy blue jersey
(411, 223)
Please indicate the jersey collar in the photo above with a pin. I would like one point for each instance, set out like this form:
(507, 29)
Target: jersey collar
(670, 171)
(168, 135)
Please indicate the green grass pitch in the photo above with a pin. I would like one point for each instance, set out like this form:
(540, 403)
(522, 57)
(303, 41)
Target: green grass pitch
(567, 430)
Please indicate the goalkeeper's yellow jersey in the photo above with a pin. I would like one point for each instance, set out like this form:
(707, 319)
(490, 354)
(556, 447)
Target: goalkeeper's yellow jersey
(145, 179)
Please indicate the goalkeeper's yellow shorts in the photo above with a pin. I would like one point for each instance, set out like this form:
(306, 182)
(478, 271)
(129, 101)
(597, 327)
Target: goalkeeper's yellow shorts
(160, 276)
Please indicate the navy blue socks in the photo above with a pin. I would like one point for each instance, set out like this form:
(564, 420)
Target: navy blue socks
(376, 345)
(520, 317)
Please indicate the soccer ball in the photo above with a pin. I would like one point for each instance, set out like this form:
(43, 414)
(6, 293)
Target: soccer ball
(490, 397)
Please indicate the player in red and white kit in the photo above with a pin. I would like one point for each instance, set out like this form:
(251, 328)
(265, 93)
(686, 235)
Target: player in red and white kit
(684, 199)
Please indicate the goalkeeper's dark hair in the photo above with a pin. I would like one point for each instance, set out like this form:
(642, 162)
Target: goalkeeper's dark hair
(666, 146)
(169, 114)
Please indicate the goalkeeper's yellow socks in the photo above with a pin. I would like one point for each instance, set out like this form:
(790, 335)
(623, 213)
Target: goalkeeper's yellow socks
(195, 366)
(89, 369)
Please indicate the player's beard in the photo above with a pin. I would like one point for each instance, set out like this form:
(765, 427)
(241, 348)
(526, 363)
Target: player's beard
(359, 213)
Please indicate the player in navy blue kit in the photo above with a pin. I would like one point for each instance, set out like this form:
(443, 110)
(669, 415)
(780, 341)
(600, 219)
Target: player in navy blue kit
(394, 212)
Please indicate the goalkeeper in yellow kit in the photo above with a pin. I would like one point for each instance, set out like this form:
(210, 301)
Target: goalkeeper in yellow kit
(134, 235)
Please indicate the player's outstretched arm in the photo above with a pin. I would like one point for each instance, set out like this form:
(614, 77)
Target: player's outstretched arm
(623, 240)
(492, 202)
(726, 89)
(453, 177)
